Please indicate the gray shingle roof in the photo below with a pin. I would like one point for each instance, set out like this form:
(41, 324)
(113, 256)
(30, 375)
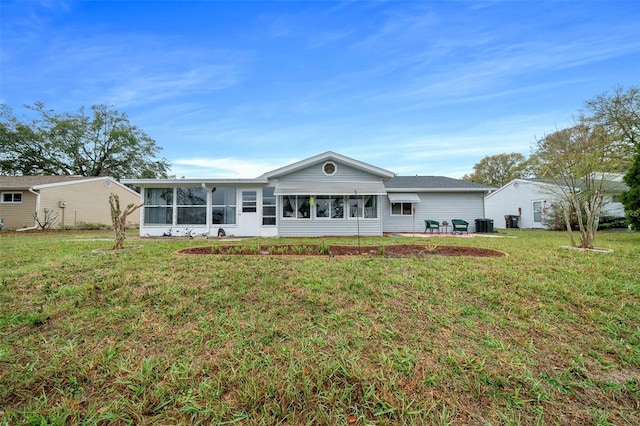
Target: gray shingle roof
(432, 182)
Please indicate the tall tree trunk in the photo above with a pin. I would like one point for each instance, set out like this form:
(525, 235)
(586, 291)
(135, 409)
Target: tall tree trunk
(566, 211)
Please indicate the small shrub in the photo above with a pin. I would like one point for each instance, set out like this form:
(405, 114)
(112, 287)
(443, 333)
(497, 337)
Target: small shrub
(253, 249)
(324, 248)
(300, 249)
(610, 222)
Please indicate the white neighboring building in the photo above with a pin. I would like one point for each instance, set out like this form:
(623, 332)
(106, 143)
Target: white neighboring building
(527, 199)
(532, 201)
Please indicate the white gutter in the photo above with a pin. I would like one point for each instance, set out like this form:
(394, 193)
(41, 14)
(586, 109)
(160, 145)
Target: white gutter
(35, 225)
(209, 202)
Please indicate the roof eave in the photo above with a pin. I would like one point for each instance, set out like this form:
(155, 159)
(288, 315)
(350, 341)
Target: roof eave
(439, 189)
(192, 181)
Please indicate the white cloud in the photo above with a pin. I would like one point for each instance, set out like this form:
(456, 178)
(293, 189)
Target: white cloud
(229, 167)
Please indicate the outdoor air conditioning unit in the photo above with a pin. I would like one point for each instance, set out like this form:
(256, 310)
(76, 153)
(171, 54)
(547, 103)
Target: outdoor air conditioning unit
(63, 204)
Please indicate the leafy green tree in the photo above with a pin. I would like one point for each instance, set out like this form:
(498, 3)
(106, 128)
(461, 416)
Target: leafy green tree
(620, 113)
(101, 143)
(631, 198)
(577, 160)
(498, 170)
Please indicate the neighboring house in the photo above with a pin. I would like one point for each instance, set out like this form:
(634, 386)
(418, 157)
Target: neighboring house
(328, 194)
(613, 189)
(73, 199)
(532, 201)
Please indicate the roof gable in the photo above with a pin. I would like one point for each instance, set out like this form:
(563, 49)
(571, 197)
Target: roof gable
(328, 156)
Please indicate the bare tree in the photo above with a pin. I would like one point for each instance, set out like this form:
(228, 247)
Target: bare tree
(47, 221)
(119, 219)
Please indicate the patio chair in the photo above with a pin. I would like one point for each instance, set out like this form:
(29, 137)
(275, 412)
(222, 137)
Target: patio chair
(431, 225)
(460, 225)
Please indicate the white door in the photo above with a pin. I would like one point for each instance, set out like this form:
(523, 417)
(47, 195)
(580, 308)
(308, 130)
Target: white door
(249, 213)
(537, 214)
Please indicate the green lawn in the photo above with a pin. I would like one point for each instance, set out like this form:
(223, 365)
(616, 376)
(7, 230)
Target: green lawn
(544, 336)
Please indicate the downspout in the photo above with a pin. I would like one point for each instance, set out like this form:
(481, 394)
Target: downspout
(35, 225)
(208, 214)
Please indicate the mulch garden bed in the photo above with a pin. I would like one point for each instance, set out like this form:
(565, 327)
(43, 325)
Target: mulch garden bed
(396, 250)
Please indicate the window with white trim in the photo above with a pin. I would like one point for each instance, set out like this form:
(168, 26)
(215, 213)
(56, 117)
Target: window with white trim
(296, 206)
(12, 197)
(363, 206)
(268, 206)
(249, 201)
(329, 206)
(401, 209)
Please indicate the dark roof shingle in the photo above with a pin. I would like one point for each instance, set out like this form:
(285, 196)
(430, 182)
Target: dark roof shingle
(432, 182)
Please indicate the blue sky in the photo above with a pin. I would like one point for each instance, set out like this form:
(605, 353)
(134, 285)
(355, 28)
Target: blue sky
(235, 89)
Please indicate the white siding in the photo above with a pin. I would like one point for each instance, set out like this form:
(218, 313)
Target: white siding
(343, 173)
(438, 206)
(371, 227)
(609, 208)
(514, 196)
(320, 227)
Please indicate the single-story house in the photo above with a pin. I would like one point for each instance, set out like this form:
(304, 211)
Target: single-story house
(73, 200)
(531, 200)
(328, 194)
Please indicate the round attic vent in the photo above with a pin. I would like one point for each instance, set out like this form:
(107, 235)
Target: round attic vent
(107, 183)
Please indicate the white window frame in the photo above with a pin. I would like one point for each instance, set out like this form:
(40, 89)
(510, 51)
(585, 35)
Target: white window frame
(156, 207)
(346, 210)
(402, 203)
(182, 208)
(268, 196)
(226, 206)
(13, 197)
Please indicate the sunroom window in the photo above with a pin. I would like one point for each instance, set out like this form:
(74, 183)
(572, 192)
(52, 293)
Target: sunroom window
(158, 206)
(192, 206)
(224, 206)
